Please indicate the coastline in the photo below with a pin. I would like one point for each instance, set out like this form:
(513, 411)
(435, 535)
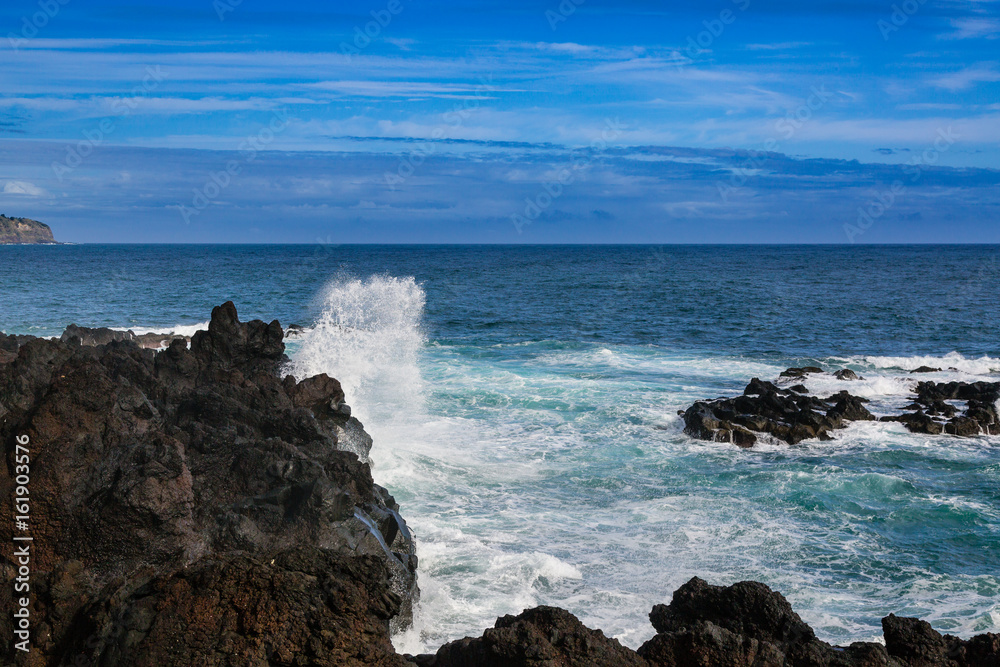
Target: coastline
(249, 354)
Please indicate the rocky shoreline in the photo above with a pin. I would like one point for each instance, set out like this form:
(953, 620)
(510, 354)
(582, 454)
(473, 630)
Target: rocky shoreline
(792, 415)
(191, 506)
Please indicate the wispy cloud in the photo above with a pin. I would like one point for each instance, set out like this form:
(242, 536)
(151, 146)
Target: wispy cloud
(973, 28)
(967, 78)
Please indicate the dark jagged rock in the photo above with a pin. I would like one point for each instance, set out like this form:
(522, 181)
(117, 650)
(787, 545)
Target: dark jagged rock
(749, 625)
(175, 493)
(933, 415)
(791, 415)
(92, 337)
(544, 636)
(766, 408)
(925, 369)
(847, 374)
(155, 341)
(916, 644)
(986, 392)
(103, 336)
(306, 606)
(800, 372)
(917, 422)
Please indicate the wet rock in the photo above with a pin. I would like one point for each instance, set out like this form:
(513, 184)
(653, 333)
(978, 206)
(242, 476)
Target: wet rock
(847, 374)
(933, 414)
(176, 489)
(155, 341)
(544, 636)
(800, 372)
(91, 337)
(917, 422)
(746, 624)
(766, 408)
(963, 426)
(925, 369)
(303, 606)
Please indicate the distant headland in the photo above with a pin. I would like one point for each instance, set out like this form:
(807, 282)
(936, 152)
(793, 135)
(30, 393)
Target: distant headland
(23, 230)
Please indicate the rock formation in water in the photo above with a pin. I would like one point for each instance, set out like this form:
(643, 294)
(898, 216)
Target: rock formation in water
(24, 230)
(786, 414)
(743, 625)
(791, 415)
(192, 507)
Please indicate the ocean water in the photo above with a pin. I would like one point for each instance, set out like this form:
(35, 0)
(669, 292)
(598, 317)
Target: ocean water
(524, 401)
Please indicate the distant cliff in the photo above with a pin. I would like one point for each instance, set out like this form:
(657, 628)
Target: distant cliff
(23, 230)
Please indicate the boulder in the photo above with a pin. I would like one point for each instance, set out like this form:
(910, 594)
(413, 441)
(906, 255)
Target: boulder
(91, 337)
(544, 636)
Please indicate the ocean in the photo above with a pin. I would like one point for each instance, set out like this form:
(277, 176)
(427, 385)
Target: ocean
(524, 400)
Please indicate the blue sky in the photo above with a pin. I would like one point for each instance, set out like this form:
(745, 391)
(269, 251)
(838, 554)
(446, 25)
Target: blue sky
(508, 122)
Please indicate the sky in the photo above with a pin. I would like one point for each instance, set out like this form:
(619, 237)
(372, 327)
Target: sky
(559, 121)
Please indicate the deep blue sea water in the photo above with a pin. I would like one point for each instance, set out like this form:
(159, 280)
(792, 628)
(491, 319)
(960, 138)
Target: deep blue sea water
(524, 405)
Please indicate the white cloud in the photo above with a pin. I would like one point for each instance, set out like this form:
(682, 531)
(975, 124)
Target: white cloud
(973, 28)
(23, 188)
(967, 78)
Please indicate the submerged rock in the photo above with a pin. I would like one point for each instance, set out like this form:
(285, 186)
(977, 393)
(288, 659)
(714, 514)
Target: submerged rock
(192, 507)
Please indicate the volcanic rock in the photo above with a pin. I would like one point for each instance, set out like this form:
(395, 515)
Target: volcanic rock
(536, 637)
(766, 408)
(199, 506)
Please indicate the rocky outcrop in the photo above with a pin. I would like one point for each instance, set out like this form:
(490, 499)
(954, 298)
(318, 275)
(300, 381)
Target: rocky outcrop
(24, 230)
(786, 414)
(540, 636)
(743, 625)
(932, 414)
(193, 507)
(792, 415)
(916, 644)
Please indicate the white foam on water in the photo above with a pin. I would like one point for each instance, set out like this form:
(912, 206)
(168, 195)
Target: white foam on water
(984, 365)
(172, 330)
(368, 336)
(550, 474)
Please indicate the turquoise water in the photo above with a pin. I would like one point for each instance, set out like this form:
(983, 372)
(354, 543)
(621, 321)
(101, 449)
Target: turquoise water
(524, 407)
